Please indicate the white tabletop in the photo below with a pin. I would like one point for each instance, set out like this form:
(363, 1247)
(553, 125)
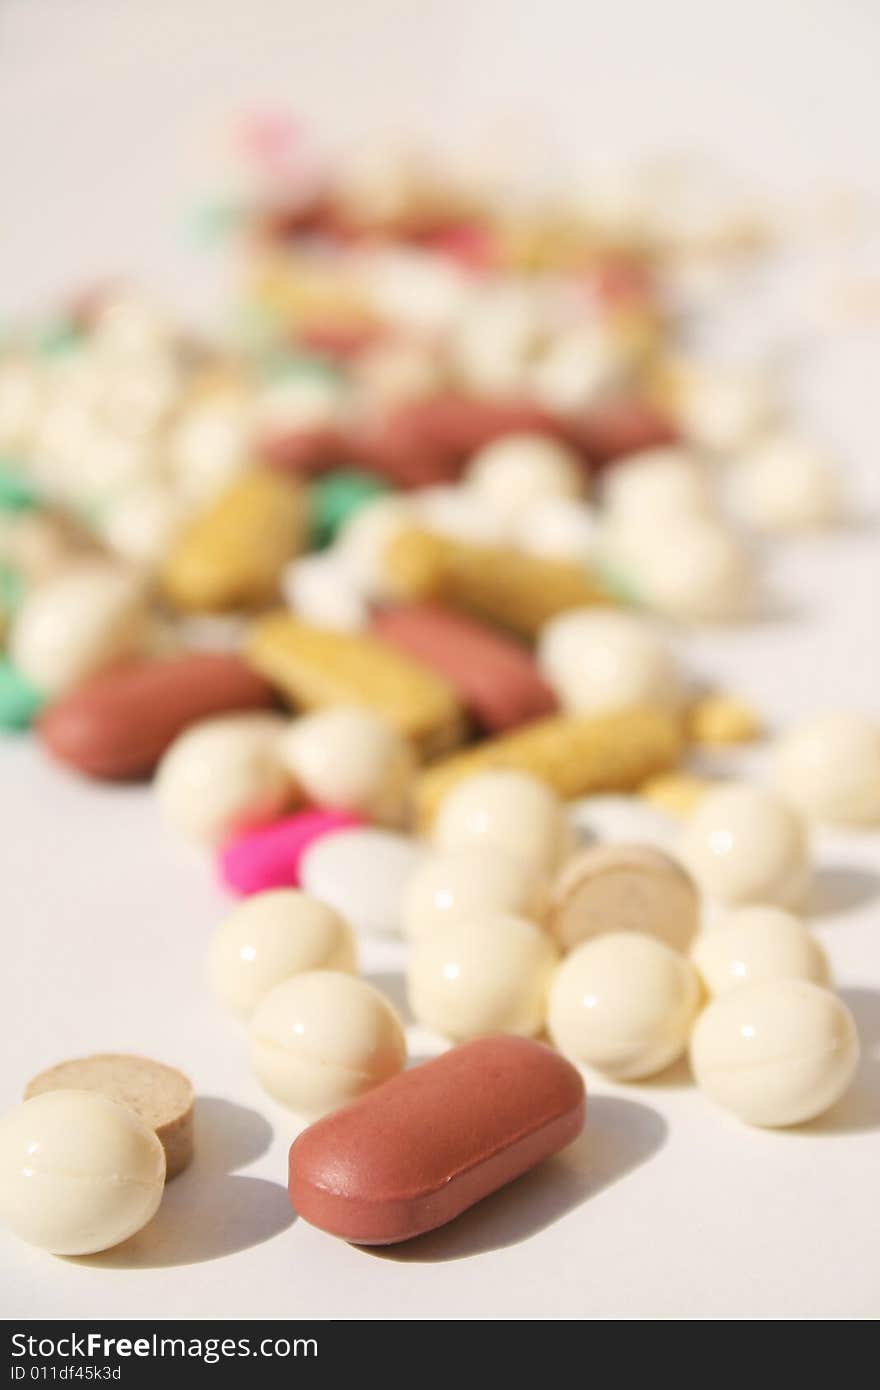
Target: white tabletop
(666, 1208)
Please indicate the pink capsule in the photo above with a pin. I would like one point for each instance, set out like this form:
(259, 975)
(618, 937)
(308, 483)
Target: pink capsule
(270, 856)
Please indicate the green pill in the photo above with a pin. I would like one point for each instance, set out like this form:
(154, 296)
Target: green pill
(336, 497)
(11, 590)
(19, 700)
(16, 493)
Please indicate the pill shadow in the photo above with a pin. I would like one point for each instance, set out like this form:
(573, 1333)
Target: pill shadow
(620, 1135)
(839, 888)
(208, 1212)
(858, 1111)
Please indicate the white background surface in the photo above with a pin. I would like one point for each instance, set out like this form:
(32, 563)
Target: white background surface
(111, 125)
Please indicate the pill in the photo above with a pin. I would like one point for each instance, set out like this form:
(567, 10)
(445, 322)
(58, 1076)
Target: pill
(695, 570)
(335, 498)
(270, 937)
(828, 767)
(757, 943)
(623, 1003)
(470, 882)
(675, 792)
(573, 754)
(233, 553)
(616, 888)
(160, 1096)
(717, 719)
(601, 660)
(495, 678)
(17, 493)
(270, 856)
(514, 472)
(655, 484)
(476, 976)
(322, 1038)
(78, 1173)
(418, 1151)
(508, 810)
(363, 541)
(497, 583)
(322, 593)
(314, 667)
(458, 513)
(40, 545)
(119, 723)
(224, 775)
(557, 528)
(745, 845)
(785, 484)
(363, 873)
(776, 1052)
(610, 430)
(350, 758)
(79, 623)
(20, 701)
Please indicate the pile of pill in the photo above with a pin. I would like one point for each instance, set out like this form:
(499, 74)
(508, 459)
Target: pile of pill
(384, 601)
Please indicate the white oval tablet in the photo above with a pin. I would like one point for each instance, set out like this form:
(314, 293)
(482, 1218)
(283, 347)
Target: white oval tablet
(364, 875)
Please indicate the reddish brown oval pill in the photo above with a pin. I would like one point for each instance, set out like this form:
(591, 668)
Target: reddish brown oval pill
(426, 1145)
(119, 723)
(496, 678)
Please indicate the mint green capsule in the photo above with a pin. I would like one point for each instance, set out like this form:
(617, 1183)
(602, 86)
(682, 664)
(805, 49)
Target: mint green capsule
(20, 702)
(336, 497)
(59, 339)
(17, 494)
(11, 591)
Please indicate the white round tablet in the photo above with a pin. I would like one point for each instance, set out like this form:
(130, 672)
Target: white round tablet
(745, 845)
(508, 810)
(364, 874)
(469, 882)
(758, 943)
(777, 1052)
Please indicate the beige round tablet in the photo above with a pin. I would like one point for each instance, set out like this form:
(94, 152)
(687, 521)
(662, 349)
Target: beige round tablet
(351, 759)
(268, 938)
(78, 1173)
(481, 975)
(624, 1004)
(469, 882)
(744, 845)
(509, 810)
(778, 1052)
(322, 1038)
(758, 943)
(612, 888)
(161, 1097)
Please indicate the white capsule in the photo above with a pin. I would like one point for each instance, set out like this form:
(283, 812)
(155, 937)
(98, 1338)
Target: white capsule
(78, 1173)
(623, 1003)
(351, 759)
(74, 625)
(785, 484)
(601, 660)
(21, 398)
(270, 937)
(460, 514)
(468, 883)
(481, 975)
(224, 775)
(558, 528)
(362, 543)
(209, 444)
(508, 810)
(745, 845)
(655, 484)
(758, 943)
(692, 569)
(724, 411)
(777, 1052)
(829, 768)
(513, 473)
(141, 522)
(579, 365)
(323, 1038)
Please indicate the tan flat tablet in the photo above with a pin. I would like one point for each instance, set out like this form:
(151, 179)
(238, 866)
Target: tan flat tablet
(160, 1096)
(613, 888)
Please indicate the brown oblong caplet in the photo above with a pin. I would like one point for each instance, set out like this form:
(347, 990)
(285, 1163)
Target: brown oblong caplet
(119, 723)
(420, 1149)
(496, 678)
(160, 1096)
(614, 888)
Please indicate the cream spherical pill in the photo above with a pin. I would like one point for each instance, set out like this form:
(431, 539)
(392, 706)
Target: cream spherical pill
(269, 938)
(624, 1004)
(598, 660)
(744, 845)
(509, 810)
(78, 1173)
(323, 1038)
(777, 1052)
(829, 768)
(758, 943)
(513, 473)
(452, 884)
(481, 975)
(350, 759)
